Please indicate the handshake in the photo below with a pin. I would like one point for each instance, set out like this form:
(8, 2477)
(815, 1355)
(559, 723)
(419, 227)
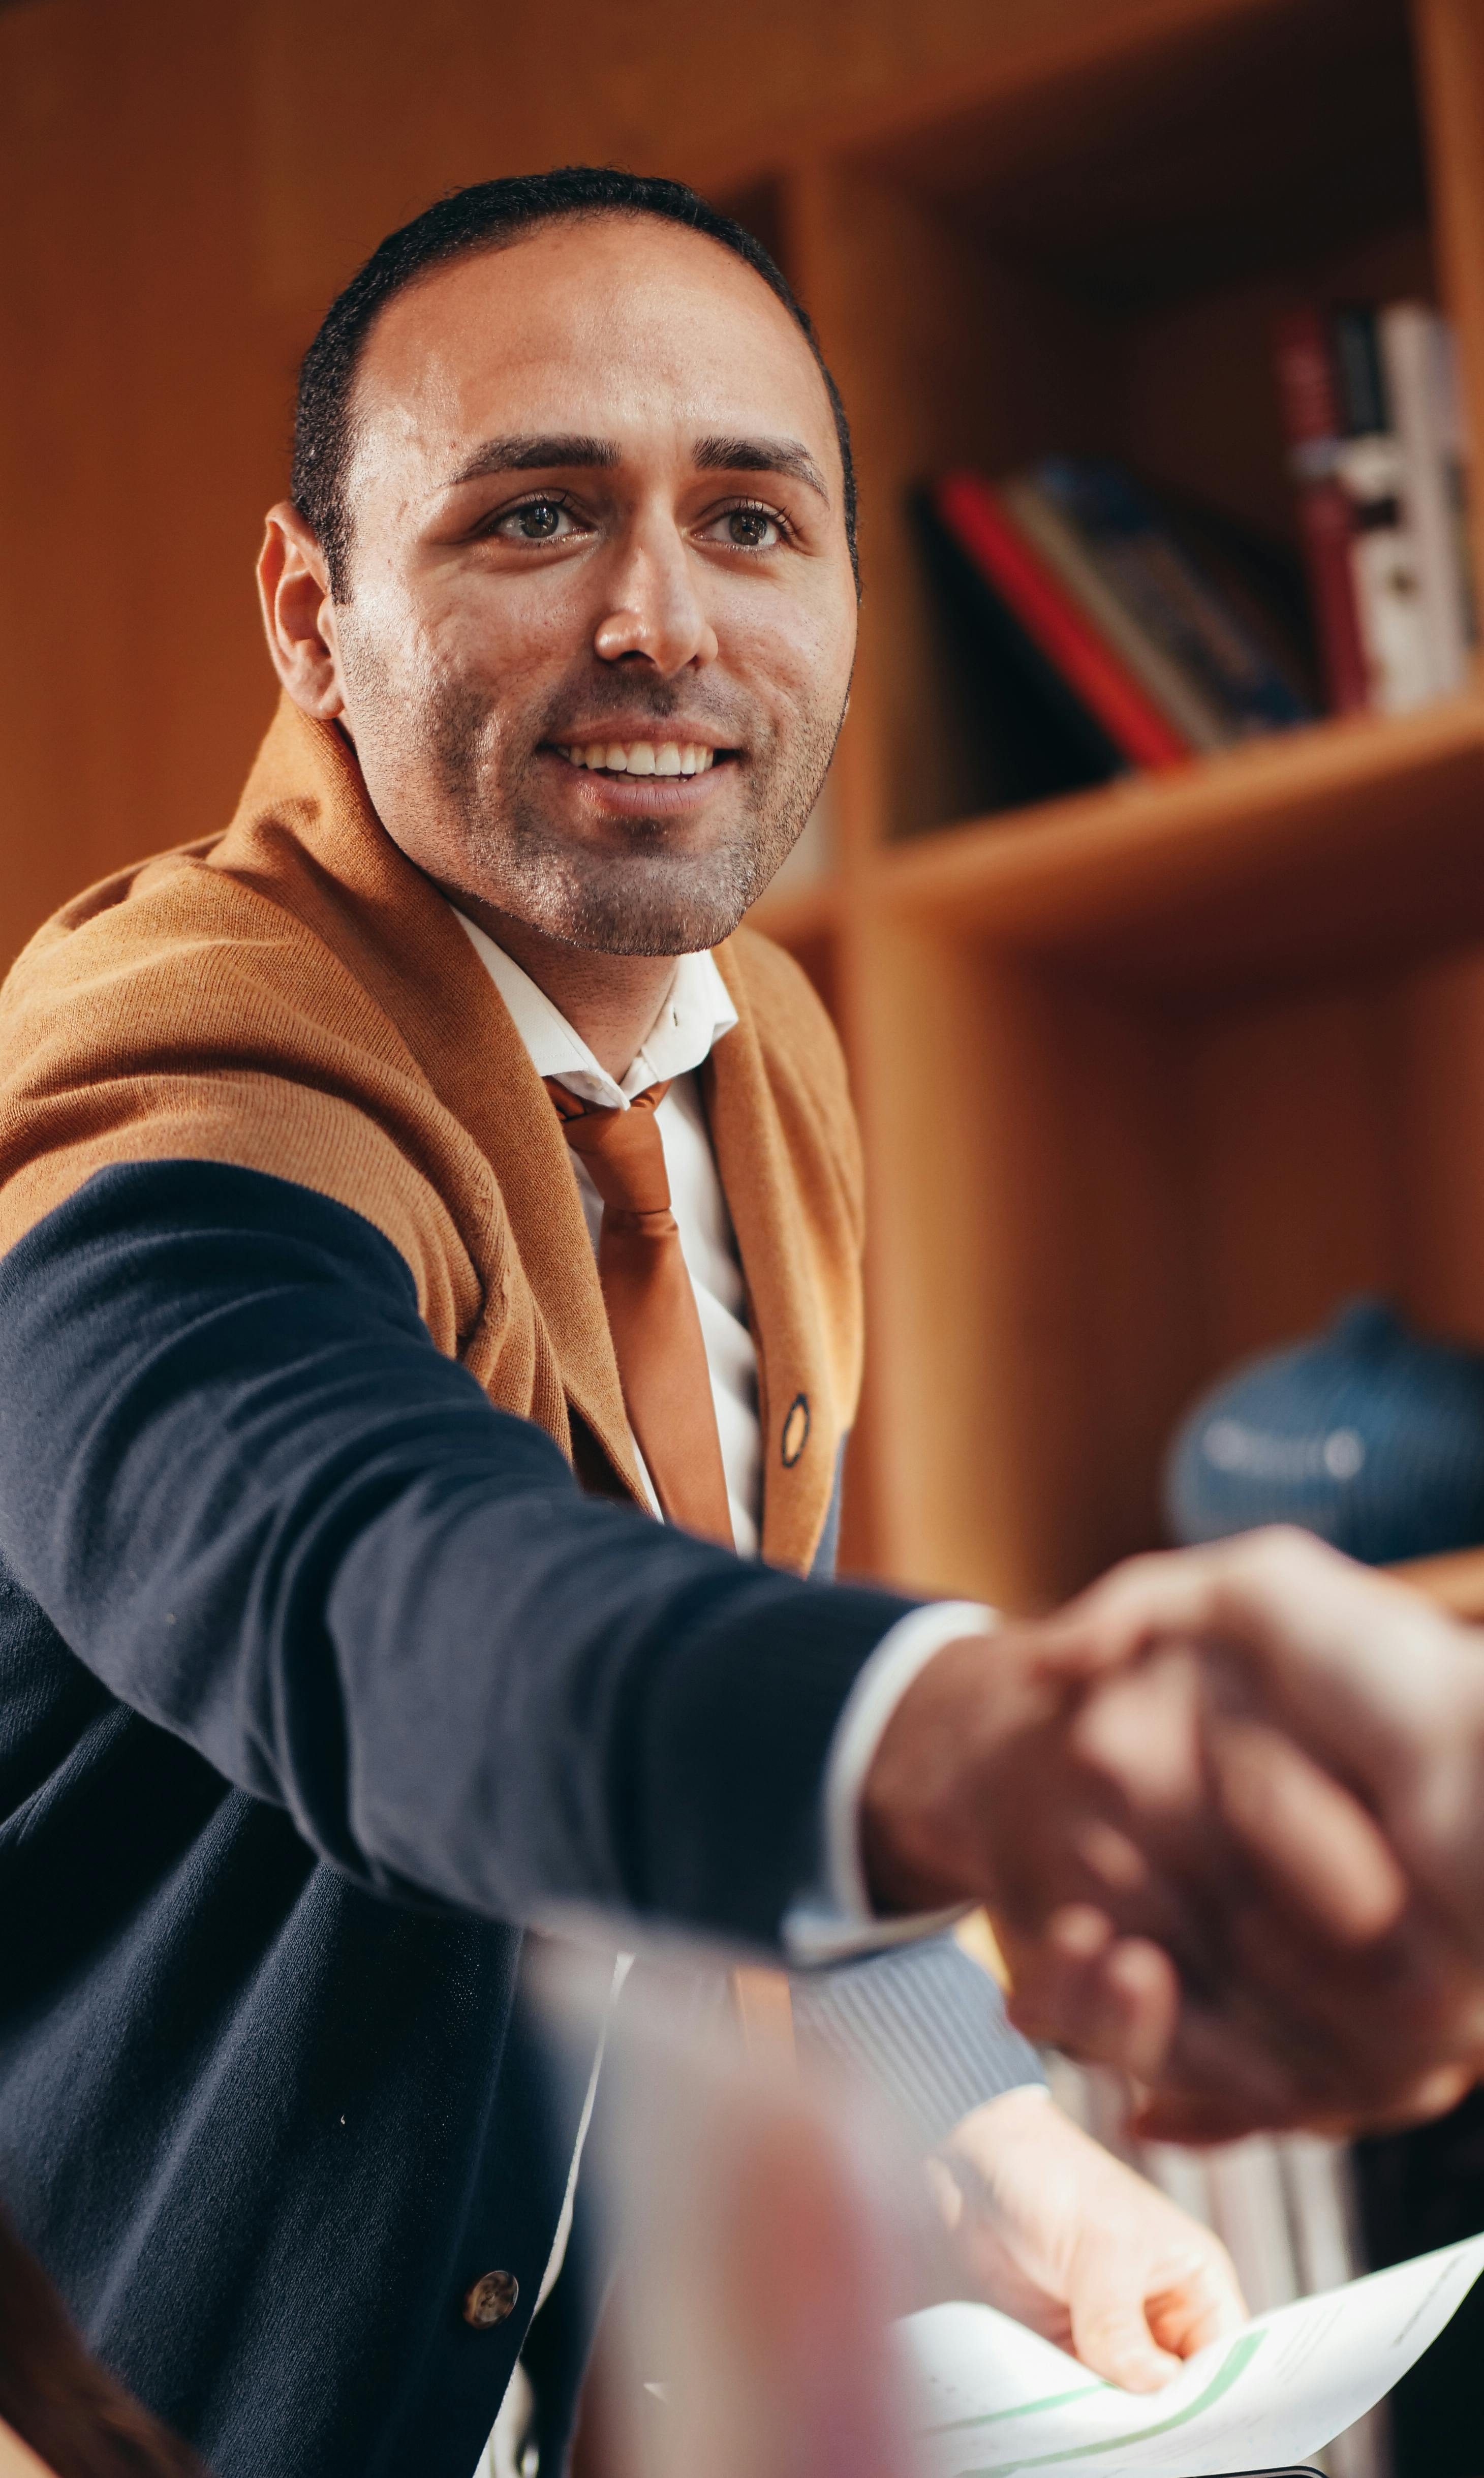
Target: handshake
(1226, 1810)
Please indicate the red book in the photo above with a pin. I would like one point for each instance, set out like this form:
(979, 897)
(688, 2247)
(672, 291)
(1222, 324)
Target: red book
(1312, 418)
(1041, 606)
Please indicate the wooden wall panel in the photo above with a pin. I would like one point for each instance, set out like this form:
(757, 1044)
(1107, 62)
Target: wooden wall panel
(1031, 1273)
(1437, 1041)
(140, 438)
(181, 190)
(1293, 1109)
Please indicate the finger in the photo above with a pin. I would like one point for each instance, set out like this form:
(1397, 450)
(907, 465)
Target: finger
(1143, 1732)
(1247, 1587)
(1199, 2303)
(1279, 2065)
(1202, 2118)
(1364, 2031)
(1357, 1659)
(1110, 2000)
(1110, 2331)
(1311, 1843)
(1431, 2094)
(1238, 2069)
(1196, 2122)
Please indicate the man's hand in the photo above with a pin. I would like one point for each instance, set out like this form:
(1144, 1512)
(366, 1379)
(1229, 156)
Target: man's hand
(1061, 1769)
(1050, 2228)
(1018, 1769)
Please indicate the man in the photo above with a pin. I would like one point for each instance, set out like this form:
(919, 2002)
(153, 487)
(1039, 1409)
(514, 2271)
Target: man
(321, 1675)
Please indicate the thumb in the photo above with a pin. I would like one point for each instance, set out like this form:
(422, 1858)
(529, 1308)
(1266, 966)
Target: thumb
(1110, 2329)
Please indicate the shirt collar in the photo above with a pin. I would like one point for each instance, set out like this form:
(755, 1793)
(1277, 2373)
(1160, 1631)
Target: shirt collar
(695, 1014)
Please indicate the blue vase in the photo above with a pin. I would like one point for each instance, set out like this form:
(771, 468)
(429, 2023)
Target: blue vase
(1368, 1436)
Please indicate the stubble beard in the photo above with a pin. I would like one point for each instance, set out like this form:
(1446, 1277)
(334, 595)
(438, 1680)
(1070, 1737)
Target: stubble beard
(643, 899)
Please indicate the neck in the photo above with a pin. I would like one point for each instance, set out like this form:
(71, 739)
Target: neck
(612, 1001)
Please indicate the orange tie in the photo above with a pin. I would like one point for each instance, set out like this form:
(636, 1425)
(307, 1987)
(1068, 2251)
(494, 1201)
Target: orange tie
(652, 1315)
(660, 1352)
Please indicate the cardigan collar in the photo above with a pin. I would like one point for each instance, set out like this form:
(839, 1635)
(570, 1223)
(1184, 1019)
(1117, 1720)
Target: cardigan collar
(696, 1011)
(307, 834)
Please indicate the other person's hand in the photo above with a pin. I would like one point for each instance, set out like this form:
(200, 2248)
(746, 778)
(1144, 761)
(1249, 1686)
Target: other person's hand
(1184, 1891)
(1331, 1696)
(1050, 2228)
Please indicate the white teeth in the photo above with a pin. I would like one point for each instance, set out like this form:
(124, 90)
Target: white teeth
(641, 756)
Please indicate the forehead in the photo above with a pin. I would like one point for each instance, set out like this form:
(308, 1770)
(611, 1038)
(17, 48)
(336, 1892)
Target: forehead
(617, 327)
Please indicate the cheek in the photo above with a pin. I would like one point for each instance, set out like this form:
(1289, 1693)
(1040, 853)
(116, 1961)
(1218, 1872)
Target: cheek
(513, 628)
(796, 657)
(504, 636)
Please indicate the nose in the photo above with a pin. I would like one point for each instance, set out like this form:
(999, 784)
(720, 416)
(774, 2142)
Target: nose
(655, 615)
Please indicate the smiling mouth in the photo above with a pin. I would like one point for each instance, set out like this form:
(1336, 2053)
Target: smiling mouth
(642, 756)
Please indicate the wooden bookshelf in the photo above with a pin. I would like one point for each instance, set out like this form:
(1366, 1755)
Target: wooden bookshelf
(1154, 1075)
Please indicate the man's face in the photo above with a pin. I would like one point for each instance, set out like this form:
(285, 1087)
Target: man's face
(600, 616)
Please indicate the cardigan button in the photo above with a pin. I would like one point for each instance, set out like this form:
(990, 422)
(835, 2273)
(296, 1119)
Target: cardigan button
(796, 1431)
(491, 2299)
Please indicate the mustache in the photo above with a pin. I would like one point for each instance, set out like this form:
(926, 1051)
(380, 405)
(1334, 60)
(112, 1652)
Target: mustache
(626, 692)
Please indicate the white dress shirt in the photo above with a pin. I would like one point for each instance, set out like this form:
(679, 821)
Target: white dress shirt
(833, 1919)
(697, 1012)
(836, 1918)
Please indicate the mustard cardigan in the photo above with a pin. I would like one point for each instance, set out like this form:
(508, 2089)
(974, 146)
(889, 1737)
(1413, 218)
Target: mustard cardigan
(294, 996)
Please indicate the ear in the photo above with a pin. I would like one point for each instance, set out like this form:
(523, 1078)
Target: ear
(298, 614)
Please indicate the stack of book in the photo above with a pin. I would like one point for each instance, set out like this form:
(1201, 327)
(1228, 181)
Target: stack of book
(1130, 642)
(1370, 406)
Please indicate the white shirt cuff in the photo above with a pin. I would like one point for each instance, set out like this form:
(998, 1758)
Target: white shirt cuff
(835, 1920)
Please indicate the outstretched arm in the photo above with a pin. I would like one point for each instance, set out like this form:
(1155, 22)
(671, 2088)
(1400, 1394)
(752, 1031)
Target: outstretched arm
(260, 1504)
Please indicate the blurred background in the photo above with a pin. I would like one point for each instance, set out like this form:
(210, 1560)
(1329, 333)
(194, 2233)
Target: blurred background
(1157, 819)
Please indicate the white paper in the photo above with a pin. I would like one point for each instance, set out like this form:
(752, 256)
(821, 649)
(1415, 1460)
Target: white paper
(992, 2398)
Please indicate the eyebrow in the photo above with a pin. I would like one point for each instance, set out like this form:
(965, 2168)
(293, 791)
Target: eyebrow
(537, 454)
(761, 456)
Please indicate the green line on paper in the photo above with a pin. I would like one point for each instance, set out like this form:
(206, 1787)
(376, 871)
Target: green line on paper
(1241, 2353)
(1021, 2409)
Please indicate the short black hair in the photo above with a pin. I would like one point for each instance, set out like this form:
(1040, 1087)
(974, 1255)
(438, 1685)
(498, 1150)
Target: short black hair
(460, 225)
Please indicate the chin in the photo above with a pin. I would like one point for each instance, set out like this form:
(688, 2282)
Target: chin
(658, 906)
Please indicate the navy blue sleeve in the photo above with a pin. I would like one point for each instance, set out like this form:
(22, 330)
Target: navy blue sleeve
(270, 1515)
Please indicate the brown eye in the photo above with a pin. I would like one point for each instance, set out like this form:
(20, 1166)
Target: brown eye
(538, 520)
(751, 528)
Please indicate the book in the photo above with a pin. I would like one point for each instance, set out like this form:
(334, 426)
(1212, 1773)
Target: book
(1048, 636)
(1393, 624)
(1310, 404)
(1421, 385)
(1017, 733)
(1162, 584)
(1182, 700)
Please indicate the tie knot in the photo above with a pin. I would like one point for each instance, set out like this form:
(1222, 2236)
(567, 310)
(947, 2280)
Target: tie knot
(623, 1150)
